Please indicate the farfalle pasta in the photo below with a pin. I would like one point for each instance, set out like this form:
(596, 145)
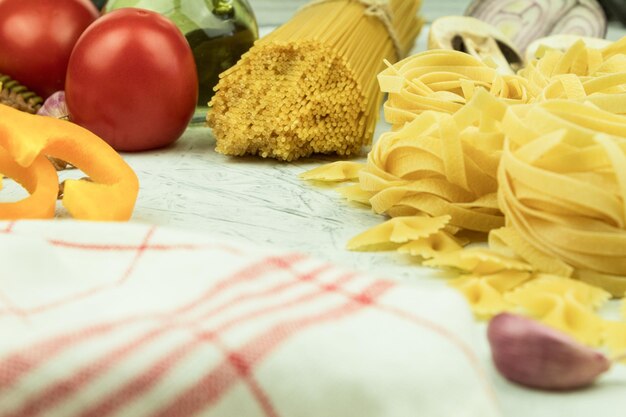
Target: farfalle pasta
(335, 172)
(564, 304)
(615, 339)
(479, 261)
(486, 293)
(397, 231)
(433, 245)
(615, 335)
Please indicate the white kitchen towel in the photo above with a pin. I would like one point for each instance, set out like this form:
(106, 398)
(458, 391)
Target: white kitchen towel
(135, 320)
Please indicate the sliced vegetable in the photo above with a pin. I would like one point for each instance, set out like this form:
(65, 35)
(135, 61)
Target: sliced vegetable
(480, 39)
(113, 192)
(524, 21)
(39, 179)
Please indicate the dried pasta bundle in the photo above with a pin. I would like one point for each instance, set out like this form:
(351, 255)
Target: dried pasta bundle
(563, 189)
(310, 86)
(439, 164)
(443, 81)
(558, 154)
(581, 74)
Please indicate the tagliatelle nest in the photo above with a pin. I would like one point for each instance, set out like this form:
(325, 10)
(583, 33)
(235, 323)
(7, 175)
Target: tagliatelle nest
(563, 192)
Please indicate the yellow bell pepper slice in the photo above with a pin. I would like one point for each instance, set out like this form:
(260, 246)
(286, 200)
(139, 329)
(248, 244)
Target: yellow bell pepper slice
(112, 194)
(40, 180)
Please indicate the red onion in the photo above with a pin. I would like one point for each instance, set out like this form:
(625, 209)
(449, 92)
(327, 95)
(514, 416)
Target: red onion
(523, 21)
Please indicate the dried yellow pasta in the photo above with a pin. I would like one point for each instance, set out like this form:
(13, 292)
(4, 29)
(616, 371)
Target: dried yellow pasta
(508, 238)
(339, 171)
(440, 164)
(576, 213)
(310, 85)
(356, 194)
(615, 338)
(614, 284)
(442, 81)
(580, 73)
(564, 304)
(615, 335)
(486, 293)
(433, 245)
(391, 234)
(551, 140)
(479, 261)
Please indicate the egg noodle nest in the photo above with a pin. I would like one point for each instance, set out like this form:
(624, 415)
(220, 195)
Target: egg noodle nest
(535, 161)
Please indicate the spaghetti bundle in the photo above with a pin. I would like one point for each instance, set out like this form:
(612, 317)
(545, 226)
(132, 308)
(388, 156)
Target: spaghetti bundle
(310, 86)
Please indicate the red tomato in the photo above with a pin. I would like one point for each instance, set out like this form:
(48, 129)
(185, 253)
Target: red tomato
(132, 80)
(37, 37)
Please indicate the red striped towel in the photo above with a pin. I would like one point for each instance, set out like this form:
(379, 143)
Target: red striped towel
(132, 320)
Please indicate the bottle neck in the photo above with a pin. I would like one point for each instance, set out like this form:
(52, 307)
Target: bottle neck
(223, 8)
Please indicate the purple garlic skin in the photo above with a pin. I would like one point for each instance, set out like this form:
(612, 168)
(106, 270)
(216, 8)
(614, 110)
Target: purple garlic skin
(55, 106)
(534, 355)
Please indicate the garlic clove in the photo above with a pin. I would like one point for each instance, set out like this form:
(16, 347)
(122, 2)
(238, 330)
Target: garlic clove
(480, 39)
(55, 106)
(534, 355)
(562, 43)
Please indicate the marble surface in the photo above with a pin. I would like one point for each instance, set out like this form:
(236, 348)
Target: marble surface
(190, 186)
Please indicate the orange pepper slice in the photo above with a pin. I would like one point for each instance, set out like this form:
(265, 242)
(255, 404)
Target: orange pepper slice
(112, 194)
(40, 180)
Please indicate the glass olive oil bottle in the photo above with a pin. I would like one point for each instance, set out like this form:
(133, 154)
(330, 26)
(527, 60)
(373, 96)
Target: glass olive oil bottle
(218, 31)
